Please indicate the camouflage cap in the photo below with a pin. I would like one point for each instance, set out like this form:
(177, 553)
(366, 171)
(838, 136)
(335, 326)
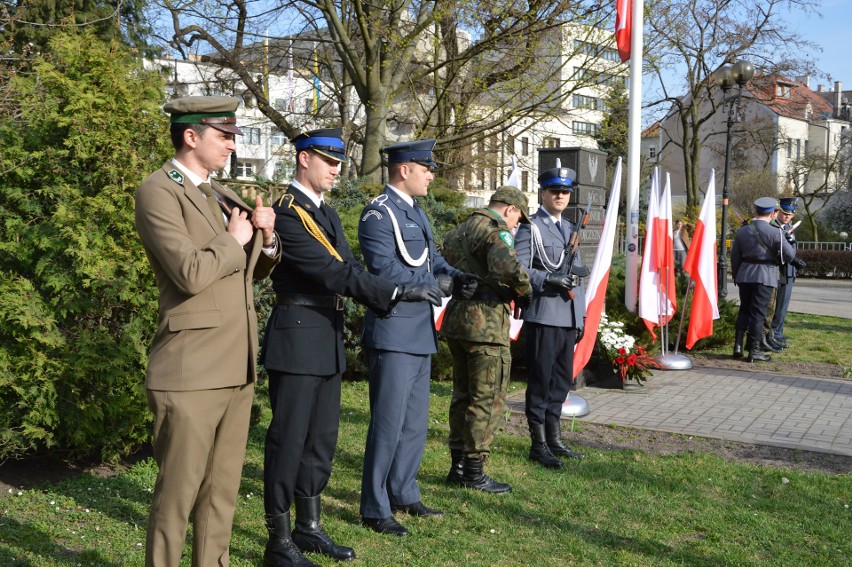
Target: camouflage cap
(214, 111)
(513, 196)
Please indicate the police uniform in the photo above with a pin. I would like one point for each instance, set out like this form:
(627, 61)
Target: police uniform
(477, 332)
(756, 253)
(304, 354)
(788, 275)
(551, 322)
(399, 247)
(201, 370)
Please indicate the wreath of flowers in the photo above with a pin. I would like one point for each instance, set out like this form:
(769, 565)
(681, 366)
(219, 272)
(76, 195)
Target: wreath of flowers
(629, 360)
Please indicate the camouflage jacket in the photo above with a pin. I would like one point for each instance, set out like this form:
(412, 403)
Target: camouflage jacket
(483, 245)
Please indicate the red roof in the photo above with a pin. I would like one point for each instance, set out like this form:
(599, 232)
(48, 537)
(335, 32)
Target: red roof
(788, 98)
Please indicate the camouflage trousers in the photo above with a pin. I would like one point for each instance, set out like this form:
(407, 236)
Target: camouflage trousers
(480, 381)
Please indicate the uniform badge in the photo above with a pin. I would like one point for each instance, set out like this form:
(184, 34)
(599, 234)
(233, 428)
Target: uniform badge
(371, 213)
(506, 237)
(175, 176)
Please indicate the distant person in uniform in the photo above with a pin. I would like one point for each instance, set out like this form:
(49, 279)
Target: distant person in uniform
(303, 349)
(756, 253)
(205, 247)
(554, 318)
(477, 332)
(398, 246)
(681, 242)
(789, 270)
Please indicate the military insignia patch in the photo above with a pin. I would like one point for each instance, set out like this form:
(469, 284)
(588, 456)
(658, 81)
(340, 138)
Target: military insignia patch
(176, 176)
(369, 214)
(506, 237)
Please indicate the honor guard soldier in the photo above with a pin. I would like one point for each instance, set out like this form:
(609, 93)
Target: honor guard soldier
(477, 332)
(788, 206)
(399, 247)
(303, 349)
(757, 252)
(205, 247)
(555, 316)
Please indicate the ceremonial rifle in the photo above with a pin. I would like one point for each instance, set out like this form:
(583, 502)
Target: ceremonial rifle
(574, 245)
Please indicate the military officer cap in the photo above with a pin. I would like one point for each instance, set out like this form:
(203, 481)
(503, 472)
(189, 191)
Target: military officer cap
(327, 142)
(214, 111)
(558, 179)
(418, 151)
(764, 205)
(513, 196)
(789, 204)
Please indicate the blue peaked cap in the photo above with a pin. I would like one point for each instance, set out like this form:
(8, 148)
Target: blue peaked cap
(558, 178)
(764, 205)
(418, 151)
(327, 142)
(789, 204)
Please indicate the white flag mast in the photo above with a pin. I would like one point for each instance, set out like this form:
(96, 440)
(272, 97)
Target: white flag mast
(634, 131)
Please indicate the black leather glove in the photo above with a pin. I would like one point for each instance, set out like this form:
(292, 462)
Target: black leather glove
(420, 292)
(562, 281)
(798, 263)
(466, 285)
(523, 301)
(580, 332)
(791, 238)
(446, 284)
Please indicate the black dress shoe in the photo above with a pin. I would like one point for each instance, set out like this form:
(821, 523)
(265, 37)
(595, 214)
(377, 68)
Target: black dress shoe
(417, 509)
(385, 526)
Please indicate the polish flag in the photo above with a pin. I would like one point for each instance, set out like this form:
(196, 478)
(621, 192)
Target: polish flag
(665, 226)
(599, 277)
(623, 27)
(700, 264)
(649, 275)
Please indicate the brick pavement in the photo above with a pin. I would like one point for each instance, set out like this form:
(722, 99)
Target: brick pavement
(796, 412)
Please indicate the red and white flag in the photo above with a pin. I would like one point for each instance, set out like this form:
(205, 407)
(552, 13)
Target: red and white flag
(700, 264)
(649, 275)
(623, 27)
(665, 226)
(599, 277)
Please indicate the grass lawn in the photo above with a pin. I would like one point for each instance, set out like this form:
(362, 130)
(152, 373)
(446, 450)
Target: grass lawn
(613, 508)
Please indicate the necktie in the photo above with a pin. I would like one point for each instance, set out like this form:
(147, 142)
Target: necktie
(559, 228)
(213, 204)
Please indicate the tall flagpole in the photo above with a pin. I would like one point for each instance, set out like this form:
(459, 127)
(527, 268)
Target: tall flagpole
(634, 131)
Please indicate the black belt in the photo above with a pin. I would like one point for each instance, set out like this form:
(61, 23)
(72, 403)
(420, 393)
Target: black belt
(335, 302)
(487, 295)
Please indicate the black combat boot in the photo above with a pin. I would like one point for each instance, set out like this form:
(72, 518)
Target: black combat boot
(756, 355)
(553, 434)
(777, 345)
(539, 452)
(454, 477)
(280, 549)
(473, 477)
(766, 346)
(738, 344)
(308, 534)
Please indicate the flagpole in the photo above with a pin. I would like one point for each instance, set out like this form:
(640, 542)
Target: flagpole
(634, 130)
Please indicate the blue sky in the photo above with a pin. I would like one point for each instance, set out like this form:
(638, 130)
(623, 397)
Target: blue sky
(832, 33)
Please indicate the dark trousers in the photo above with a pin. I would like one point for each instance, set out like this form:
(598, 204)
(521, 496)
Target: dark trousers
(301, 438)
(399, 420)
(550, 365)
(782, 302)
(754, 301)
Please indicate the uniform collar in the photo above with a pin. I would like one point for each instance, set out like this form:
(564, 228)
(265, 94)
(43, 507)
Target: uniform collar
(407, 198)
(193, 177)
(317, 200)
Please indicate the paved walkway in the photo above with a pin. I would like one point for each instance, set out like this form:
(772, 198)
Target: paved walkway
(813, 414)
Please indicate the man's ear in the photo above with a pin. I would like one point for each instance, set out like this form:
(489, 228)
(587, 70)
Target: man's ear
(191, 138)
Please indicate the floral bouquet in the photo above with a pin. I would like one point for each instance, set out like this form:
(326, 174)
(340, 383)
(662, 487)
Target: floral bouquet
(628, 360)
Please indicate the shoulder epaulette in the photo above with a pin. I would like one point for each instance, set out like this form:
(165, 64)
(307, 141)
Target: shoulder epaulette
(309, 223)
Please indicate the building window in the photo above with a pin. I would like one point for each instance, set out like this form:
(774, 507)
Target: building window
(789, 148)
(782, 91)
(652, 151)
(251, 135)
(587, 102)
(525, 181)
(278, 138)
(584, 128)
(525, 146)
(510, 145)
(806, 148)
(245, 169)
(798, 149)
(551, 142)
(594, 50)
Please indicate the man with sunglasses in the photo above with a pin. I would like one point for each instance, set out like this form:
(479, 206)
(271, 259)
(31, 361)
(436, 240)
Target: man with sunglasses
(554, 318)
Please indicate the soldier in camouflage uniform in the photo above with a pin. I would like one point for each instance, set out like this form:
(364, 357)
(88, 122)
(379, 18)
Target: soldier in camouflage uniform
(477, 331)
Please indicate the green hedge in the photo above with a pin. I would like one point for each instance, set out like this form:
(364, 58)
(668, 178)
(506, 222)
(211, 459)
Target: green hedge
(826, 263)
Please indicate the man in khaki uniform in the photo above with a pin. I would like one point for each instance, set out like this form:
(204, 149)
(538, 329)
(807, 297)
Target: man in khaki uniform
(205, 247)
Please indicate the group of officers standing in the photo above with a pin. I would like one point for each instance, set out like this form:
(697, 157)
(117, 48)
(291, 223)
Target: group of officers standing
(206, 247)
(764, 267)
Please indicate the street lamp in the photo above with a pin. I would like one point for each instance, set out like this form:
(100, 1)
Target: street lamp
(727, 76)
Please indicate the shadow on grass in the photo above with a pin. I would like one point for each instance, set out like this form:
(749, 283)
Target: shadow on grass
(20, 538)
